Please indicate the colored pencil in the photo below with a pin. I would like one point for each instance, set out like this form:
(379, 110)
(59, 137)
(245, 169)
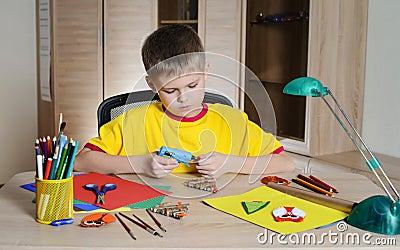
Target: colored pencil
(311, 187)
(323, 183)
(71, 159)
(54, 164)
(62, 162)
(311, 181)
(49, 147)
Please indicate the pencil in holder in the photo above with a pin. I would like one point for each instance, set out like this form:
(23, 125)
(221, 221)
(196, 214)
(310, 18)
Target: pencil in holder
(54, 200)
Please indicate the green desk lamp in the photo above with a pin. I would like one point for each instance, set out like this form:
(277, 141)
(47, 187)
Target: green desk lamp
(379, 213)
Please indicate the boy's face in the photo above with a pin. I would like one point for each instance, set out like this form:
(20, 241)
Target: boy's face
(182, 95)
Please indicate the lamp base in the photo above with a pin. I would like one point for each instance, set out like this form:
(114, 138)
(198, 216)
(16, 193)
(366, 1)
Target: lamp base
(378, 214)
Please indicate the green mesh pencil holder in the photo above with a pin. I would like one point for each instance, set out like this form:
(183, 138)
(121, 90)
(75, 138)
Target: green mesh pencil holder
(54, 200)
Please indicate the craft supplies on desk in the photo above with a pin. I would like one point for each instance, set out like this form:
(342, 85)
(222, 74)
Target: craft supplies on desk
(57, 163)
(314, 184)
(126, 227)
(155, 220)
(85, 207)
(97, 220)
(233, 206)
(203, 183)
(54, 180)
(179, 155)
(176, 211)
(332, 202)
(100, 193)
(54, 200)
(128, 192)
(142, 224)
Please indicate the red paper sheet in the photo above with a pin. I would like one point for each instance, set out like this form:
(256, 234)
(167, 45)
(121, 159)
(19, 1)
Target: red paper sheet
(127, 192)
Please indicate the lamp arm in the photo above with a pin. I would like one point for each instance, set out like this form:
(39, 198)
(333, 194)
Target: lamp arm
(350, 123)
(364, 144)
(372, 164)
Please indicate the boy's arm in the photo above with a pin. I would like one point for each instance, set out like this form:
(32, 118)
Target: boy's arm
(88, 160)
(216, 164)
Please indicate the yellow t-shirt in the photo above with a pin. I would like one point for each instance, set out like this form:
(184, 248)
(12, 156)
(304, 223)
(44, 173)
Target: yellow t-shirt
(218, 128)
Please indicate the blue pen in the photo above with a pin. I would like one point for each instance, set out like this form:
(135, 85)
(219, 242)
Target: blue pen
(62, 222)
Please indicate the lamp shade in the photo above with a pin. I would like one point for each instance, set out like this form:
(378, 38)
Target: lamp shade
(376, 214)
(305, 86)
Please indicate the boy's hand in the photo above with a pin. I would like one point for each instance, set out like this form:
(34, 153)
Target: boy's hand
(211, 164)
(160, 166)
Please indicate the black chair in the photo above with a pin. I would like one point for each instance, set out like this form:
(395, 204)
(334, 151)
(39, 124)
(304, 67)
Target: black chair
(114, 106)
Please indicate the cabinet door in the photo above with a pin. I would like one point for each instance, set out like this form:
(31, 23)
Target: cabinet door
(77, 65)
(222, 35)
(276, 51)
(127, 22)
(337, 40)
(337, 45)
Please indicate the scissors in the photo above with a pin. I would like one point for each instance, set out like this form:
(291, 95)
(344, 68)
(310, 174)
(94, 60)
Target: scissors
(100, 194)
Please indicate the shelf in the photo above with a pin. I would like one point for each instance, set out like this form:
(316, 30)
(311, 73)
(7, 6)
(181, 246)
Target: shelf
(178, 21)
(288, 17)
(280, 22)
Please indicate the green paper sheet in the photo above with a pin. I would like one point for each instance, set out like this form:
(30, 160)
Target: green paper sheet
(150, 202)
(316, 215)
(138, 205)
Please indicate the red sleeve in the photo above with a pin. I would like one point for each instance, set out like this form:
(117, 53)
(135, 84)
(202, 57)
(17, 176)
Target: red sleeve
(276, 151)
(93, 147)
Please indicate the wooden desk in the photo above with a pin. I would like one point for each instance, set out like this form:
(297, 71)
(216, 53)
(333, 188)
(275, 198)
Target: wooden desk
(203, 227)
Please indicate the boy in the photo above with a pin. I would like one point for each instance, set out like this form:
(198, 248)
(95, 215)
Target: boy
(222, 138)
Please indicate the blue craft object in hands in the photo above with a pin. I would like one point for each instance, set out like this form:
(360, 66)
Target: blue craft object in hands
(179, 155)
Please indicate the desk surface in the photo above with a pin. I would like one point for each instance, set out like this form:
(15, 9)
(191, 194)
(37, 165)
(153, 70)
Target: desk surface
(203, 227)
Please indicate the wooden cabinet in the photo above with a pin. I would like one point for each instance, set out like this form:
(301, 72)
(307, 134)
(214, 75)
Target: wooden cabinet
(332, 51)
(95, 53)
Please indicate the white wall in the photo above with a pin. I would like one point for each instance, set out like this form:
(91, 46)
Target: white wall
(381, 119)
(18, 122)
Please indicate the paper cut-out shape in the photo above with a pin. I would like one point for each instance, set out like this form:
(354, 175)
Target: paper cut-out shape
(288, 214)
(254, 206)
(275, 179)
(97, 220)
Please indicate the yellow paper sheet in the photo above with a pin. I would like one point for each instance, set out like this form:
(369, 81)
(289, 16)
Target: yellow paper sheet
(316, 215)
(102, 210)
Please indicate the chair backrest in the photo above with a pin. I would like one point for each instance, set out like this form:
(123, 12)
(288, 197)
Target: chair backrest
(114, 106)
